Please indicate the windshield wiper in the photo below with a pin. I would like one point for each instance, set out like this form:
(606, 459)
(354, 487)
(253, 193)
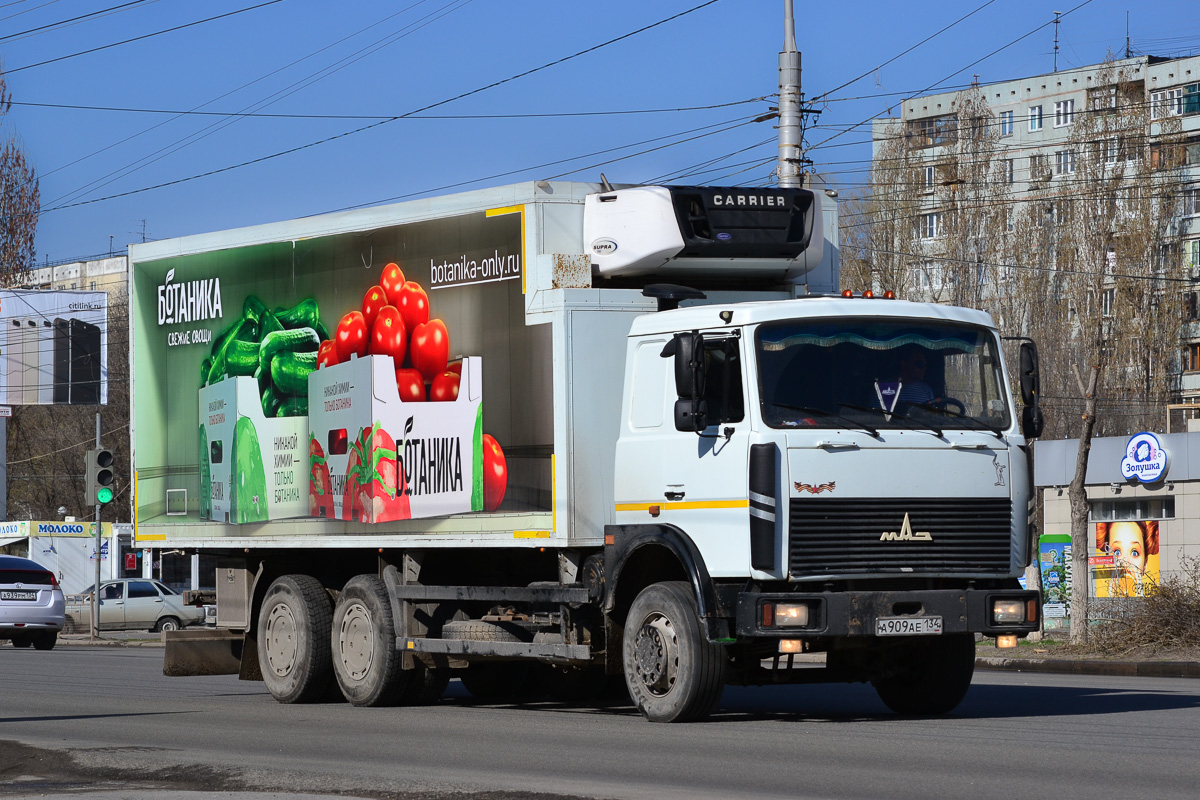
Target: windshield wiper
(853, 423)
(971, 422)
(908, 421)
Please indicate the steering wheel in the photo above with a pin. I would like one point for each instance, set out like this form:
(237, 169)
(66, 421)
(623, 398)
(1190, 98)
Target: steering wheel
(945, 403)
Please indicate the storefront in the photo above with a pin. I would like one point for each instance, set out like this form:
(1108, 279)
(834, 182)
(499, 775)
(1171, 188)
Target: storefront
(1143, 520)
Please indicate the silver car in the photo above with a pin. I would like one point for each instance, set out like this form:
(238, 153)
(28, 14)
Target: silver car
(133, 604)
(31, 603)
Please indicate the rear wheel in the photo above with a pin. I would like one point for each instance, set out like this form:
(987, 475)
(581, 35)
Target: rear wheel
(23, 640)
(166, 624)
(293, 639)
(928, 677)
(45, 640)
(365, 660)
(69, 625)
(673, 672)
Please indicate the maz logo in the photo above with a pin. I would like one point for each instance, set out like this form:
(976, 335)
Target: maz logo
(906, 534)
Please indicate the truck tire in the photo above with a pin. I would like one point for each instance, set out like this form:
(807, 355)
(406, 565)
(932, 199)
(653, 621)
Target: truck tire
(932, 677)
(293, 639)
(366, 663)
(490, 680)
(673, 672)
(45, 640)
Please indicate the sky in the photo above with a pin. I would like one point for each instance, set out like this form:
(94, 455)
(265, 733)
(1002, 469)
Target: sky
(151, 119)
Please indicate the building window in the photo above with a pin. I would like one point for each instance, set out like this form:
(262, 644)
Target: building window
(1144, 508)
(92, 286)
(1064, 113)
(1189, 314)
(928, 174)
(1191, 253)
(1191, 98)
(1107, 298)
(1190, 197)
(1035, 118)
(1006, 123)
(1009, 170)
(931, 225)
(1167, 103)
(1038, 170)
(1105, 97)
(933, 131)
(1065, 161)
(1191, 358)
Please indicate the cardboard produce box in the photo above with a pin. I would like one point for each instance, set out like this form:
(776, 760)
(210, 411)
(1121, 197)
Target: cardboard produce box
(252, 468)
(374, 457)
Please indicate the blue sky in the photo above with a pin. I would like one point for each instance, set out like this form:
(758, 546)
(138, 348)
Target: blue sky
(365, 60)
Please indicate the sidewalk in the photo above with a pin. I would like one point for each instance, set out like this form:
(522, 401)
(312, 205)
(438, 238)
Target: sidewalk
(1049, 656)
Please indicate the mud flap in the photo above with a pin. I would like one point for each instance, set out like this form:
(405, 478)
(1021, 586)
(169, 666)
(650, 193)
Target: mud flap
(202, 652)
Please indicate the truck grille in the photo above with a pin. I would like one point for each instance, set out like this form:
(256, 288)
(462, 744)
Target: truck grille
(966, 534)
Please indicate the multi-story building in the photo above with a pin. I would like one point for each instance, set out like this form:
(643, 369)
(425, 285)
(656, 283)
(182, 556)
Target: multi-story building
(1035, 151)
(104, 273)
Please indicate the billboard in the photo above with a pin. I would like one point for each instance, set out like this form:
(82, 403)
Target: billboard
(1125, 562)
(362, 376)
(54, 346)
(1055, 565)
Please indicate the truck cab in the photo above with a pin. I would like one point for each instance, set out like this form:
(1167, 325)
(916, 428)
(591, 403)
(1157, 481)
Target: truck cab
(850, 474)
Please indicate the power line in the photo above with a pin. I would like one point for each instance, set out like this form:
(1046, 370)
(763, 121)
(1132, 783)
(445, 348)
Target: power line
(390, 119)
(72, 20)
(140, 38)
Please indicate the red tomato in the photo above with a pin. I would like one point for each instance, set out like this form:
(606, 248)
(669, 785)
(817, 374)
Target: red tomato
(495, 474)
(373, 300)
(430, 348)
(387, 336)
(455, 367)
(411, 385)
(413, 305)
(445, 388)
(327, 354)
(351, 337)
(392, 281)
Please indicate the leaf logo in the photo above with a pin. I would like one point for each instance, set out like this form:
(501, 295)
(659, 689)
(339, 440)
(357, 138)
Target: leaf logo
(170, 275)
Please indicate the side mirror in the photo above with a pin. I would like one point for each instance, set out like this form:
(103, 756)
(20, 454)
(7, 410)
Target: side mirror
(1031, 422)
(691, 410)
(1031, 382)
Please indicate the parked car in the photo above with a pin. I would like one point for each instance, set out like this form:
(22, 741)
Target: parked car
(132, 604)
(31, 603)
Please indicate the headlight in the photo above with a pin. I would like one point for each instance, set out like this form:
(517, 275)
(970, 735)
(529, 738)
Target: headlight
(791, 615)
(1008, 611)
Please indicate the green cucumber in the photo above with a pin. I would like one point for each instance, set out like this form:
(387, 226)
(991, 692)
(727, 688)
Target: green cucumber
(289, 372)
(295, 406)
(241, 358)
(300, 340)
(270, 402)
(304, 314)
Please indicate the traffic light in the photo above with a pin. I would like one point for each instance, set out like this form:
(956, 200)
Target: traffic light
(99, 477)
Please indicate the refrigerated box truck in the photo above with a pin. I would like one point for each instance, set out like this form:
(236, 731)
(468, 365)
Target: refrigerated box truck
(573, 437)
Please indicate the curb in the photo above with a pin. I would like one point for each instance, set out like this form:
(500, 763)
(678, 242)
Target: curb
(1129, 669)
(87, 641)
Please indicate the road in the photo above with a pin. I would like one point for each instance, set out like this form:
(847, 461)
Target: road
(126, 726)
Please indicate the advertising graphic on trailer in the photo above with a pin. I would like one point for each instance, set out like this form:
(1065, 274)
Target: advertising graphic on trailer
(361, 377)
(54, 346)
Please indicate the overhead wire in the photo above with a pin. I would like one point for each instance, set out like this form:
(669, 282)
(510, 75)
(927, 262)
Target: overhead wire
(379, 123)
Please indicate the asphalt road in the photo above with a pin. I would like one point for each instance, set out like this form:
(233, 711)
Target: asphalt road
(106, 719)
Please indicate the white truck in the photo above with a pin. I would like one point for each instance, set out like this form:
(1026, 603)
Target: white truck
(602, 437)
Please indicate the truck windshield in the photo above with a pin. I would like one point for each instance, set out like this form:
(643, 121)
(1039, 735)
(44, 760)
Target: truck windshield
(880, 373)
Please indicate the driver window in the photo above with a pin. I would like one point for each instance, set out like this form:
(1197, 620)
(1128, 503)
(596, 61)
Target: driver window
(723, 380)
(111, 592)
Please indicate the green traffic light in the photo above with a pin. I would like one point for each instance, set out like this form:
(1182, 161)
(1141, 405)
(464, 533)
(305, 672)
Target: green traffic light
(104, 494)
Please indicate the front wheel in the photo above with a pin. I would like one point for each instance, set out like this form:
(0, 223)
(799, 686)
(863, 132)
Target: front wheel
(928, 677)
(293, 639)
(673, 672)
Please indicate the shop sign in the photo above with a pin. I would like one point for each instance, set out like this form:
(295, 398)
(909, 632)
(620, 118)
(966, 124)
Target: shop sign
(1145, 459)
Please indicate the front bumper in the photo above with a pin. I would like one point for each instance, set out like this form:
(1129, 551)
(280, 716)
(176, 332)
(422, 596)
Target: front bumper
(854, 613)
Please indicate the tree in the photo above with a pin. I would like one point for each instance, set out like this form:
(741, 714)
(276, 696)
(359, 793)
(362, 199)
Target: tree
(19, 202)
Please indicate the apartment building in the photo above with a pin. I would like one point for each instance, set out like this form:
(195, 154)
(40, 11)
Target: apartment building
(105, 273)
(1033, 118)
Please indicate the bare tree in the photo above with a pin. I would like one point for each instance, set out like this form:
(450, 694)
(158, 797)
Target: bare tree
(19, 201)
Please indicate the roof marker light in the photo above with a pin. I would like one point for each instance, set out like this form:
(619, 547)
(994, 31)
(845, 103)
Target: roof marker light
(847, 293)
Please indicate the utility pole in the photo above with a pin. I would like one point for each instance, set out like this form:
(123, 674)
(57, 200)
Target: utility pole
(99, 542)
(790, 114)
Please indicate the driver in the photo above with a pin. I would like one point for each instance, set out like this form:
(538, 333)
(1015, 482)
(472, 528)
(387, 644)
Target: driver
(913, 388)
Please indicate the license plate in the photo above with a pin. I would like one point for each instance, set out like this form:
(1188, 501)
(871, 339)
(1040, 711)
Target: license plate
(908, 626)
(13, 594)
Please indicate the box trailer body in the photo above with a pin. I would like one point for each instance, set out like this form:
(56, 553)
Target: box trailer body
(626, 464)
